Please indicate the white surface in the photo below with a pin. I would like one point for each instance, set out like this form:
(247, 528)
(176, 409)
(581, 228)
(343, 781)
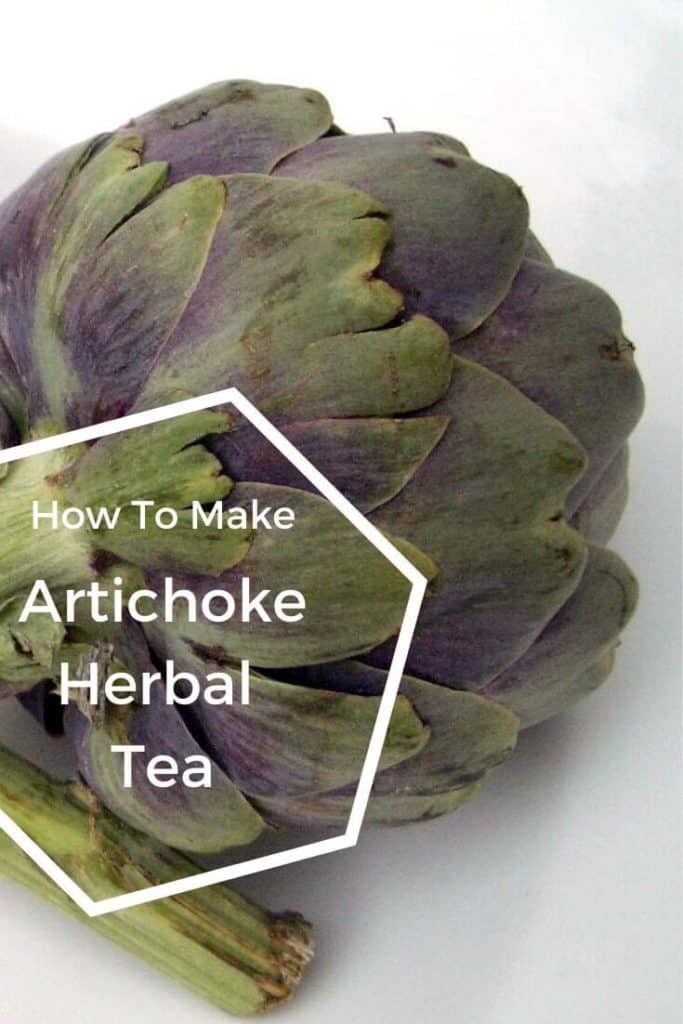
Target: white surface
(555, 896)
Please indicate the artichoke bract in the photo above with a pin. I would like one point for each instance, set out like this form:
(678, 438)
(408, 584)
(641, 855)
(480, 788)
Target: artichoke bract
(381, 299)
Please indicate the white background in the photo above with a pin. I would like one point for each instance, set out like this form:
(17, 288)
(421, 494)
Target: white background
(555, 895)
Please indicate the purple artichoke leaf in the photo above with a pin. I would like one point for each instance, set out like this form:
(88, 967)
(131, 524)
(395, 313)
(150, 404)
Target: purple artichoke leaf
(506, 560)
(202, 820)
(558, 339)
(457, 239)
(535, 250)
(468, 734)
(232, 127)
(598, 515)
(368, 460)
(290, 739)
(561, 665)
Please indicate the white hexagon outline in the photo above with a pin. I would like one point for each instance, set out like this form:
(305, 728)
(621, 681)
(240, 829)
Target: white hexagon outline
(96, 908)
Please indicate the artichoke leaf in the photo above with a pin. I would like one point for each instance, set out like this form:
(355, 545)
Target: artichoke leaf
(457, 238)
(28, 650)
(59, 556)
(120, 311)
(507, 562)
(375, 373)
(157, 462)
(598, 515)
(291, 262)
(231, 127)
(354, 597)
(200, 820)
(109, 187)
(368, 460)
(468, 734)
(27, 222)
(559, 340)
(292, 739)
(557, 669)
(209, 550)
(331, 810)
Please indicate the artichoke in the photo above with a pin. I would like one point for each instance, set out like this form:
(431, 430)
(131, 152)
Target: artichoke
(381, 299)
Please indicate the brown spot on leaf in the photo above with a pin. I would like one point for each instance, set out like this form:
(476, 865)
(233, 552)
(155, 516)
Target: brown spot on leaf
(199, 116)
(445, 161)
(615, 349)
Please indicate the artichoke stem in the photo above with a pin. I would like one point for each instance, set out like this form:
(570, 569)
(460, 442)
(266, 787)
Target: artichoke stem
(226, 949)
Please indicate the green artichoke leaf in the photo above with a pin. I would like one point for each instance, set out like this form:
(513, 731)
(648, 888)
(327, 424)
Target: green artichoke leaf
(60, 557)
(573, 648)
(375, 373)
(27, 220)
(468, 736)
(199, 820)
(291, 262)
(291, 739)
(354, 597)
(209, 550)
(121, 309)
(109, 187)
(102, 189)
(230, 127)
(160, 462)
(28, 650)
(559, 339)
(507, 562)
(459, 229)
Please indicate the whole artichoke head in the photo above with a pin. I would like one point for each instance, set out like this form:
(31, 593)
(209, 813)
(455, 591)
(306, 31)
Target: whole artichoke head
(381, 299)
